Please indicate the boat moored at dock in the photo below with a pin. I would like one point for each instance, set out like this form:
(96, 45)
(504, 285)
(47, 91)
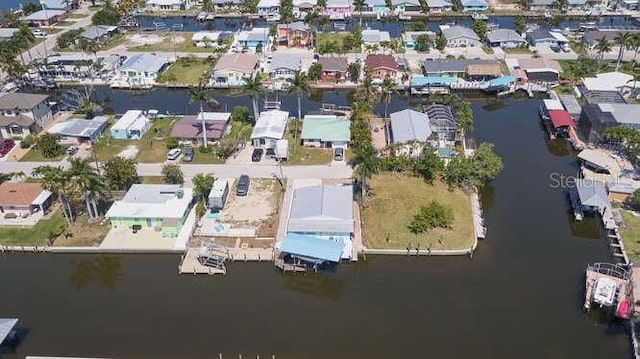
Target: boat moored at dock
(608, 285)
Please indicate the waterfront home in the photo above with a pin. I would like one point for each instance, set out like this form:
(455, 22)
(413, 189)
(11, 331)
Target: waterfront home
(419, 85)
(592, 195)
(320, 225)
(284, 66)
(460, 36)
(474, 5)
(99, 33)
(560, 122)
(590, 38)
(255, 39)
(576, 4)
(540, 70)
(457, 67)
(268, 7)
(437, 6)
(374, 37)
(381, 65)
(409, 130)
(541, 5)
(597, 116)
(442, 123)
(69, 67)
(629, 5)
(508, 38)
(19, 200)
(231, 69)
(45, 17)
(269, 128)
(221, 5)
(80, 131)
(483, 72)
(6, 33)
(620, 191)
(168, 5)
(297, 34)
(334, 68)
(208, 38)
(161, 207)
(410, 38)
(400, 6)
(23, 114)
(376, 6)
(546, 38)
(325, 131)
(143, 68)
(338, 9)
(301, 7)
(64, 5)
(131, 126)
(604, 84)
(192, 129)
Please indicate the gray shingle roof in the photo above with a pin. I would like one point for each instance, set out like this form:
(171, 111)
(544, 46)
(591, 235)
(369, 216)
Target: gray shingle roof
(540, 34)
(96, 32)
(455, 32)
(20, 101)
(409, 125)
(504, 35)
(285, 61)
(324, 208)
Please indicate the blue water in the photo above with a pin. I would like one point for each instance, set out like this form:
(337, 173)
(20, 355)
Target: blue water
(11, 4)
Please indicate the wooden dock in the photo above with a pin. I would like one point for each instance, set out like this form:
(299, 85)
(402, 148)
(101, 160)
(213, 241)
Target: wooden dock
(614, 272)
(191, 265)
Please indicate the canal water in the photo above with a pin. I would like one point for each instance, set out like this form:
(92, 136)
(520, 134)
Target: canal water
(519, 297)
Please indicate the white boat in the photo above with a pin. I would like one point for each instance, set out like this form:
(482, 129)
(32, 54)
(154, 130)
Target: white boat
(274, 18)
(202, 16)
(604, 292)
(479, 16)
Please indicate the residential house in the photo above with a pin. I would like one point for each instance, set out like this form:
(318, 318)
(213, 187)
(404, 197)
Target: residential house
(297, 34)
(19, 200)
(454, 67)
(410, 38)
(190, 129)
(225, 4)
(508, 38)
(23, 114)
(541, 5)
(400, 6)
(338, 9)
(160, 207)
(374, 37)
(301, 7)
(381, 65)
(546, 38)
(474, 5)
(326, 131)
(576, 4)
(231, 69)
(595, 161)
(442, 123)
(376, 6)
(6, 33)
(409, 129)
(437, 6)
(143, 68)
(69, 67)
(610, 82)
(64, 5)
(207, 38)
(268, 7)
(254, 39)
(597, 116)
(334, 68)
(591, 38)
(99, 33)
(460, 36)
(45, 17)
(284, 66)
(537, 70)
(269, 128)
(79, 131)
(132, 125)
(320, 224)
(168, 5)
(484, 72)
(629, 5)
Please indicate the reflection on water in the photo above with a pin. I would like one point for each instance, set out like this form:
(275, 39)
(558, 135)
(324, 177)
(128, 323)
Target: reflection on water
(320, 285)
(559, 147)
(487, 197)
(105, 271)
(494, 105)
(587, 228)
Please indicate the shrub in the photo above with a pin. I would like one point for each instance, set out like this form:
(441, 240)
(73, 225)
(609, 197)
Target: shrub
(27, 142)
(171, 142)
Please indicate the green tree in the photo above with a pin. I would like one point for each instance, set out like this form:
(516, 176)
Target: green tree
(56, 180)
(299, 85)
(88, 183)
(120, 173)
(463, 116)
(367, 163)
(628, 137)
(172, 174)
(105, 17)
(486, 165)
(354, 71)
(312, 18)
(49, 145)
(254, 88)
(207, 5)
(359, 5)
(387, 88)
(171, 142)
(519, 25)
(367, 91)
(480, 28)
(202, 184)
(561, 5)
(441, 41)
(357, 36)
(315, 72)
(240, 114)
(603, 46)
(419, 25)
(635, 199)
(30, 8)
(286, 11)
(428, 165)
(200, 94)
(431, 215)
(622, 39)
(422, 43)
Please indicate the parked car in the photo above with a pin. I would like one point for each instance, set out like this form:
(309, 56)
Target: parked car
(243, 185)
(555, 48)
(256, 156)
(338, 154)
(173, 153)
(566, 48)
(188, 154)
(270, 152)
(72, 150)
(39, 33)
(6, 146)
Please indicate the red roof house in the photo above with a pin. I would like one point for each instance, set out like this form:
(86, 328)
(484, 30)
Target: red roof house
(381, 65)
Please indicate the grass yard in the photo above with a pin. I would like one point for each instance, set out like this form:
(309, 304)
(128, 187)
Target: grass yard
(117, 40)
(32, 236)
(183, 43)
(152, 180)
(51, 30)
(324, 38)
(187, 70)
(65, 23)
(517, 50)
(396, 198)
(300, 155)
(630, 233)
(151, 147)
(209, 158)
(84, 233)
(35, 156)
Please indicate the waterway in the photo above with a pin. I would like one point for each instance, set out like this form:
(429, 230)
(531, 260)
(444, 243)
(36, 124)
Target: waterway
(519, 297)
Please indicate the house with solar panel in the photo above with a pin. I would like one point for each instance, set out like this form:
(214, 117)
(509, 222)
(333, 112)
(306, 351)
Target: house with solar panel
(320, 226)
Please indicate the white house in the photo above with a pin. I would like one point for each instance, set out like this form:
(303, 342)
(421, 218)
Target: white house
(77, 131)
(142, 68)
(168, 5)
(373, 36)
(132, 125)
(269, 128)
(459, 36)
(268, 7)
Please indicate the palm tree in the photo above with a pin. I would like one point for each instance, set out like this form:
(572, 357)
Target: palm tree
(299, 84)
(358, 5)
(366, 91)
(312, 19)
(602, 47)
(202, 184)
(26, 37)
(254, 88)
(200, 93)
(55, 180)
(634, 44)
(87, 182)
(386, 92)
(622, 40)
(366, 161)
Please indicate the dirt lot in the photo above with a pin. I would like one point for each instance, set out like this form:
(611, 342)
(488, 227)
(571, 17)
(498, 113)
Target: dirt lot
(258, 208)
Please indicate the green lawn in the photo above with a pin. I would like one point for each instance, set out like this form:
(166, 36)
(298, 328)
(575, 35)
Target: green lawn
(151, 147)
(324, 38)
(210, 158)
(396, 198)
(106, 147)
(187, 70)
(152, 179)
(300, 155)
(51, 30)
(183, 43)
(630, 233)
(35, 156)
(33, 236)
(65, 23)
(517, 50)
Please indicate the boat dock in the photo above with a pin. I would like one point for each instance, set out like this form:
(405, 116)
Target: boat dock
(609, 285)
(578, 215)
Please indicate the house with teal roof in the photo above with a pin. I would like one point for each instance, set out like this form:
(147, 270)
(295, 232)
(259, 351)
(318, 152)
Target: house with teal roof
(325, 131)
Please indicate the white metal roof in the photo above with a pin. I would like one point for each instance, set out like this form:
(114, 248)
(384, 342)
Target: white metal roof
(609, 81)
(44, 15)
(131, 120)
(553, 105)
(152, 201)
(211, 35)
(270, 124)
(219, 186)
(6, 325)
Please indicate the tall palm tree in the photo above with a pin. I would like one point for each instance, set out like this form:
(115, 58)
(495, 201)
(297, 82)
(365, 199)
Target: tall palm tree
(26, 38)
(366, 91)
(312, 18)
(202, 184)
(386, 92)
(299, 85)
(358, 5)
(622, 40)
(602, 47)
(200, 93)
(367, 163)
(634, 44)
(55, 180)
(254, 88)
(87, 182)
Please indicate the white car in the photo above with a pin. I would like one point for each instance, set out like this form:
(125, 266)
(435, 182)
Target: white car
(39, 33)
(173, 154)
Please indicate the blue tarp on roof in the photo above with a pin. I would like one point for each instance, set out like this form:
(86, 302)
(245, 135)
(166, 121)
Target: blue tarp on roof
(432, 80)
(312, 247)
(502, 81)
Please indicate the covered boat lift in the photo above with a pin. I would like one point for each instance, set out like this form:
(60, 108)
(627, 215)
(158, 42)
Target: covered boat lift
(6, 329)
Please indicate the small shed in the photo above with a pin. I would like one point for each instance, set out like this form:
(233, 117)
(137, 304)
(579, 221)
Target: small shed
(218, 194)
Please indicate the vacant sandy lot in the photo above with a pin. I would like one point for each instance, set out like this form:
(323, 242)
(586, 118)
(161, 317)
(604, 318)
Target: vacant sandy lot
(258, 205)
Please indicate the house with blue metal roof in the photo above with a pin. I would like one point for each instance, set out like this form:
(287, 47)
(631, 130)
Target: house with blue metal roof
(258, 37)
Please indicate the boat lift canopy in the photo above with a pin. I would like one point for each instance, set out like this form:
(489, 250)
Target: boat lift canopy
(6, 326)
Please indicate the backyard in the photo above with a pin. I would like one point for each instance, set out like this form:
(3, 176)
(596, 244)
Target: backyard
(301, 155)
(630, 233)
(187, 70)
(396, 198)
(180, 41)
